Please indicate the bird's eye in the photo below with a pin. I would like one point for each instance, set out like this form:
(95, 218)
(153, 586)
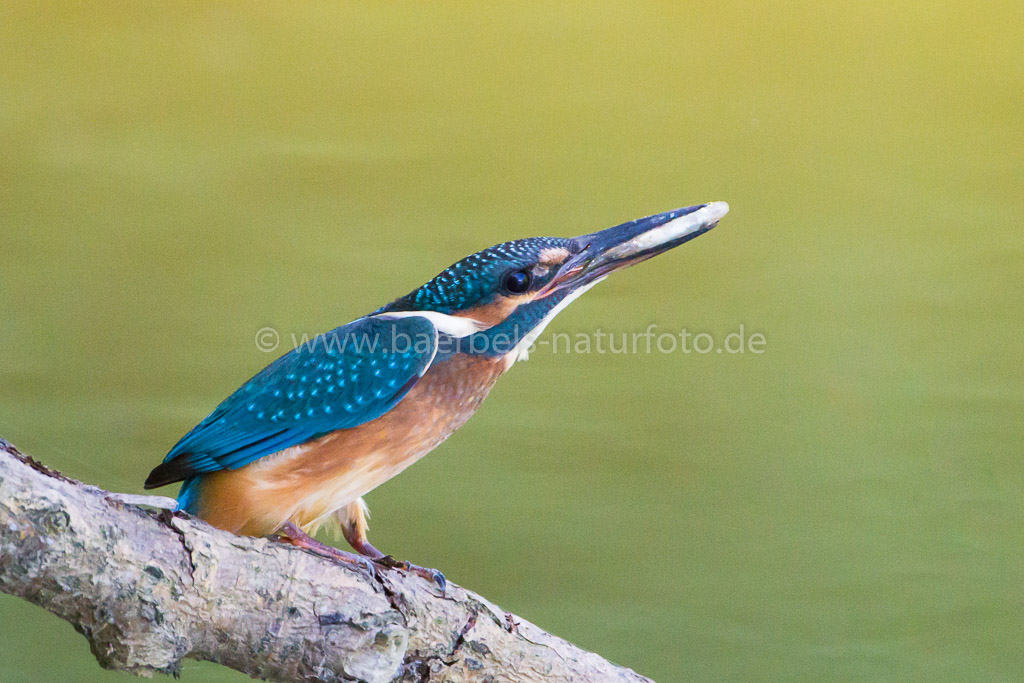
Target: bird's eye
(516, 282)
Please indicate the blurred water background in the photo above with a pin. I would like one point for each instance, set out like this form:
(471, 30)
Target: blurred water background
(848, 505)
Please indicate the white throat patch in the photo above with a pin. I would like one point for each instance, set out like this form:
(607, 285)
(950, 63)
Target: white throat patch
(452, 325)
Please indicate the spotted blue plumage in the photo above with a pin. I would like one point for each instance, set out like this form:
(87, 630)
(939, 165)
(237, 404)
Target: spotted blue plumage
(337, 380)
(472, 280)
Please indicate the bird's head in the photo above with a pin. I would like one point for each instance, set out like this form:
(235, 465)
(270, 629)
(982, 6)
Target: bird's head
(500, 299)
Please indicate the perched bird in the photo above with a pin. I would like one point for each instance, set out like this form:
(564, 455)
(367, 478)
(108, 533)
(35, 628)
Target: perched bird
(300, 443)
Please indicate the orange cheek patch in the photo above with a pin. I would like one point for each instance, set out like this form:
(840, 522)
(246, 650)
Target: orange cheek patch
(496, 311)
(502, 307)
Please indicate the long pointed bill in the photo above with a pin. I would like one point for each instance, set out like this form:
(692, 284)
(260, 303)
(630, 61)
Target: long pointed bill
(602, 252)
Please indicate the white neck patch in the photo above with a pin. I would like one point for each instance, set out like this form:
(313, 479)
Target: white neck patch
(452, 325)
(521, 351)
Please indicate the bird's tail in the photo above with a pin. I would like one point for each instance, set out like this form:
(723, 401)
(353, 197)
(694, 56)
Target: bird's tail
(188, 496)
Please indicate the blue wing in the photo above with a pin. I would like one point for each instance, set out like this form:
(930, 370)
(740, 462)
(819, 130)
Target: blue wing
(337, 380)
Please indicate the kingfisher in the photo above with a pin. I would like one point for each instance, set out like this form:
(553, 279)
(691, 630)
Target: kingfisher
(300, 444)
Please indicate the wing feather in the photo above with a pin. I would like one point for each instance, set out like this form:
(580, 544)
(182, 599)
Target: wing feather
(337, 380)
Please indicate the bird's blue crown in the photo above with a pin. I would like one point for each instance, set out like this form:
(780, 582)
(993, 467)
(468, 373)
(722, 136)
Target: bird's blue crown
(476, 278)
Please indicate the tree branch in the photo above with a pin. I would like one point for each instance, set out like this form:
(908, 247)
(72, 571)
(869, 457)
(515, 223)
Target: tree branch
(148, 589)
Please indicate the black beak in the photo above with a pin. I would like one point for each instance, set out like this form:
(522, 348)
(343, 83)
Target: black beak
(600, 253)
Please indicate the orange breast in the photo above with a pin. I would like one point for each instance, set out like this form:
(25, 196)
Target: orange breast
(307, 483)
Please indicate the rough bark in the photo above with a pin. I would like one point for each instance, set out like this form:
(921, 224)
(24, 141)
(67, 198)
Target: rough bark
(149, 588)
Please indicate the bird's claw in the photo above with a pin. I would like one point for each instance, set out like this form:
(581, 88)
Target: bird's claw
(432, 575)
(372, 570)
(331, 553)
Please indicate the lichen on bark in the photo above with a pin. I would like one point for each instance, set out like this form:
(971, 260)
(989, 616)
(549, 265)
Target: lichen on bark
(151, 588)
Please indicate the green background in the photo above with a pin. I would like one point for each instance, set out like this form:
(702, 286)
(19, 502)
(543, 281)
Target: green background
(847, 505)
